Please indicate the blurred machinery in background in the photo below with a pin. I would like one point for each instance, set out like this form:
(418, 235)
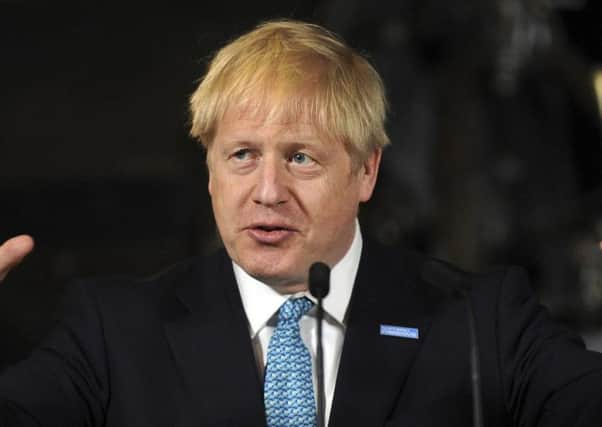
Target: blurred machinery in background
(497, 155)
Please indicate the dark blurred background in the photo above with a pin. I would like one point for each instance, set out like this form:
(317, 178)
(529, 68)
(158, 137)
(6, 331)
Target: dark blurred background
(495, 122)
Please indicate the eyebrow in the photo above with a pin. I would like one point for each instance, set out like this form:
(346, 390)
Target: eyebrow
(299, 139)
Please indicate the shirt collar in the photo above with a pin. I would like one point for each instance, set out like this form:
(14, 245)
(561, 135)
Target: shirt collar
(260, 301)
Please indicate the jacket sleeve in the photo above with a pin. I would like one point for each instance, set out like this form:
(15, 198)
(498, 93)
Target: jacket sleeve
(64, 382)
(549, 379)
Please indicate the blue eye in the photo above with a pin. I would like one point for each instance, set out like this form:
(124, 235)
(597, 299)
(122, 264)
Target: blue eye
(301, 159)
(242, 154)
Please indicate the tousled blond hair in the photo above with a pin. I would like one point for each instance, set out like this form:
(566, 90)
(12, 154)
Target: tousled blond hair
(293, 71)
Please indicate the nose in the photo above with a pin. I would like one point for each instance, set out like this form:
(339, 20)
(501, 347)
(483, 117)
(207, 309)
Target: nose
(271, 188)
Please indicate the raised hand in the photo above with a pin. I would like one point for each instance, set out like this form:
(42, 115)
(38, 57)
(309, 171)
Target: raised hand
(12, 252)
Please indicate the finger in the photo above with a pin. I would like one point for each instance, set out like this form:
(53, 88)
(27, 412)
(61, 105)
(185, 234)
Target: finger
(13, 251)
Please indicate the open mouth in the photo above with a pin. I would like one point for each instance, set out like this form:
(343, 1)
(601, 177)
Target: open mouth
(270, 227)
(269, 234)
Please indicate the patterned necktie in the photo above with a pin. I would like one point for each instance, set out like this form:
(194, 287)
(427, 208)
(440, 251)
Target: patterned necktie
(288, 387)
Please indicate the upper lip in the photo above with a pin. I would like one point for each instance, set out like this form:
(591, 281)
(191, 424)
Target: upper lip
(271, 225)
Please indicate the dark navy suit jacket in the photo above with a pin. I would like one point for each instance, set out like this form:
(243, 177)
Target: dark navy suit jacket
(174, 350)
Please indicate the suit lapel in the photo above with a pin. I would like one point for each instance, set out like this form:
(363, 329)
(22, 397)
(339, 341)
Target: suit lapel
(373, 367)
(213, 350)
(211, 344)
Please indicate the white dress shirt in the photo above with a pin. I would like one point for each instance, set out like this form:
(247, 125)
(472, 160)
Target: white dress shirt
(261, 304)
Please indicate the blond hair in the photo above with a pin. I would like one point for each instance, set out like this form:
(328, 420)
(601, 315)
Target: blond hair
(291, 71)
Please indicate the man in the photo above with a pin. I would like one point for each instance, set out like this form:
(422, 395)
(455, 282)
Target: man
(293, 123)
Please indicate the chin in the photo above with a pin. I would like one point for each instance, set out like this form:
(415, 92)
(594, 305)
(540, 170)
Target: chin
(273, 270)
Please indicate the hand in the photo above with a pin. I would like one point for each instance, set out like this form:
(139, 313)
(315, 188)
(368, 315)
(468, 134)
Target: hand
(12, 253)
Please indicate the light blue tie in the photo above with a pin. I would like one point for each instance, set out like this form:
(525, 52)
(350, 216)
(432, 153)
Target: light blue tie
(288, 387)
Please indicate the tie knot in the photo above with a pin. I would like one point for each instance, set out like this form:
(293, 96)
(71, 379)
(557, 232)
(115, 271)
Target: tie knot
(294, 308)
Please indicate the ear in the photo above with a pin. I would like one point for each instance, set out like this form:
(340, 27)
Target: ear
(368, 174)
(209, 183)
(209, 172)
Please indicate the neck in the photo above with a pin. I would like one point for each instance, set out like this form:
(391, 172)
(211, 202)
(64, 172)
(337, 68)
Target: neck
(289, 289)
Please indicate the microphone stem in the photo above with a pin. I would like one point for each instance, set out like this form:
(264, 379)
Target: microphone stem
(475, 368)
(320, 366)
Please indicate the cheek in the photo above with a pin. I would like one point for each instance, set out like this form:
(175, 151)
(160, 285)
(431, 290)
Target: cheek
(335, 200)
(227, 195)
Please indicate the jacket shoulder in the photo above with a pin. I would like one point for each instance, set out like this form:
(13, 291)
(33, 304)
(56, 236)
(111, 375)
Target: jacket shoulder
(441, 277)
(125, 294)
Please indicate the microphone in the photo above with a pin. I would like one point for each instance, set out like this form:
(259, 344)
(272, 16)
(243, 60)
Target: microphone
(457, 283)
(319, 286)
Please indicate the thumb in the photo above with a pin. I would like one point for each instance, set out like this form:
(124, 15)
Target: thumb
(12, 252)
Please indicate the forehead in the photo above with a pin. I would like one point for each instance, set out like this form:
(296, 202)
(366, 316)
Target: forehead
(241, 122)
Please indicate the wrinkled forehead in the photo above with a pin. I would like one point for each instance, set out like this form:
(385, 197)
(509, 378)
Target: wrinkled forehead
(271, 109)
(293, 110)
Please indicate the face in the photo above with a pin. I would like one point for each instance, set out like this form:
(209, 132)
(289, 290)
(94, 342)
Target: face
(284, 197)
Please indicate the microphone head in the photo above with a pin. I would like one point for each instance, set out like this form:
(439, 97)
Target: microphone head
(319, 280)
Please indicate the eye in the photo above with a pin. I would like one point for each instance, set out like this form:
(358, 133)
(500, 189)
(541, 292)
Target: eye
(242, 154)
(301, 159)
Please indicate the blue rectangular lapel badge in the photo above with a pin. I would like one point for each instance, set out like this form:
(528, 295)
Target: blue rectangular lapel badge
(399, 331)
